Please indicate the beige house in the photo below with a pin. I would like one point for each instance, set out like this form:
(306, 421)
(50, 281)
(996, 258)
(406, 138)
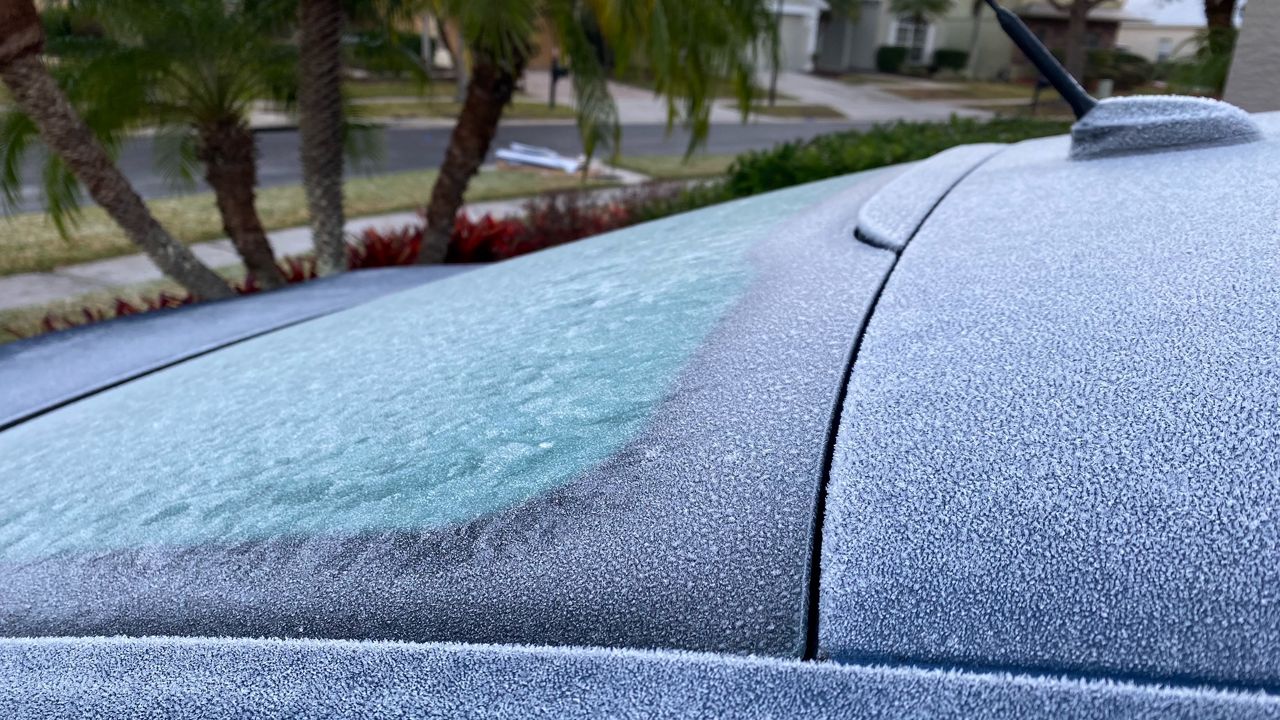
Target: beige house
(850, 44)
(1156, 42)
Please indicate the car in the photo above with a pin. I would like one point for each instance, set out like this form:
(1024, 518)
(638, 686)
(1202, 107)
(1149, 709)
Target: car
(991, 435)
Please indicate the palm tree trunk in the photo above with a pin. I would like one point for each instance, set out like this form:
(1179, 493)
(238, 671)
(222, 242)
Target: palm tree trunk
(320, 127)
(64, 132)
(488, 93)
(227, 150)
(1077, 12)
(1219, 13)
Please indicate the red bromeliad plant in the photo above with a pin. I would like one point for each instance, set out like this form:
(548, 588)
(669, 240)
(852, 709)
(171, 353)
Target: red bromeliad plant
(387, 248)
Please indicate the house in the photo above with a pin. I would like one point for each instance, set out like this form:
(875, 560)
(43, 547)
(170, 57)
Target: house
(798, 32)
(1157, 42)
(850, 44)
(1050, 25)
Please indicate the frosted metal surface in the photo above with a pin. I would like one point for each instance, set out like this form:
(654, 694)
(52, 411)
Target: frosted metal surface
(174, 679)
(1159, 123)
(1061, 444)
(890, 218)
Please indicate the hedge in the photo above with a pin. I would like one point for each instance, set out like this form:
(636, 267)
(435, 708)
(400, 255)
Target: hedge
(826, 156)
(889, 58)
(950, 60)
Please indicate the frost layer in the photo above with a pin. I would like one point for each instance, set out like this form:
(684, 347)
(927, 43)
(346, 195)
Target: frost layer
(108, 679)
(1061, 443)
(638, 421)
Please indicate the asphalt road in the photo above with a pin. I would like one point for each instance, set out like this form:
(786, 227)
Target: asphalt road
(415, 149)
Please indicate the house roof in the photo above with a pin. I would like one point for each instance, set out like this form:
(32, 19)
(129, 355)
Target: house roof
(1101, 14)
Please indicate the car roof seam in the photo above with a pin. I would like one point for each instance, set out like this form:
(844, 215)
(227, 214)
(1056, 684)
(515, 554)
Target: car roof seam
(814, 597)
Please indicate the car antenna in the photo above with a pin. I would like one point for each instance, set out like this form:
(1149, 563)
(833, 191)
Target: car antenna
(1080, 101)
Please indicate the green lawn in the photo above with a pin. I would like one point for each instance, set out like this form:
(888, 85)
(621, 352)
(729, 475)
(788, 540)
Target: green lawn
(963, 90)
(358, 89)
(796, 110)
(677, 167)
(445, 107)
(1050, 108)
(29, 242)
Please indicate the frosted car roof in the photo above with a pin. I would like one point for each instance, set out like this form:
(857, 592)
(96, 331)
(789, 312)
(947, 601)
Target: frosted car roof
(179, 678)
(615, 442)
(49, 370)
(891, 218)
(1060, 449)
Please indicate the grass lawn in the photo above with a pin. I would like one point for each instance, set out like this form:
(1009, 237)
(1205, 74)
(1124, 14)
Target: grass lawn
(359, 89)
(797, 110)
(863, 78)
(723, 89)
(676, 167)
(29, 242)
(1050, 108)
(445, 107)
(960, 90)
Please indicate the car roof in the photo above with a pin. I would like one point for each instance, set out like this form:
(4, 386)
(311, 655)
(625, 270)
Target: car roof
(615, 442)
(1060, 449)
(225, 677)
(50, 370)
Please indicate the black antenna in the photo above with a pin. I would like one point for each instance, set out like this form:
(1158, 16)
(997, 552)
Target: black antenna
(1080, 101)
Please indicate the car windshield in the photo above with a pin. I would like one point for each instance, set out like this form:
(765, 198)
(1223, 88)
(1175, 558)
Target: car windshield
(425, 408)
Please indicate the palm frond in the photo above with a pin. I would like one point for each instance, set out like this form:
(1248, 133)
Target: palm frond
(597, 114)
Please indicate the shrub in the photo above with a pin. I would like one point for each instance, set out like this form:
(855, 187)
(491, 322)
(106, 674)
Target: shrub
(1125, 69)
(890, 58)
(826, 156)
(950, 60)
(1205, 72)
(385, 248)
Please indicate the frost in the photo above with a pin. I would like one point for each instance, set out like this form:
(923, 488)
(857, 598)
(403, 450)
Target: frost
(1159, 123)
(1063, 406)
(221, 678)
(890, 218)
(49, 370)
(378, 473)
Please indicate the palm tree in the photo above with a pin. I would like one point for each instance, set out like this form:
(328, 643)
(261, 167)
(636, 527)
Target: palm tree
(1220, 13)
(82, 157)
(688, 46)
(320, 126)
(1077, 22)
(921, 10)
(193, 71)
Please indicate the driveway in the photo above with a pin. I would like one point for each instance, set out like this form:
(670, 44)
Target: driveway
(867, 103)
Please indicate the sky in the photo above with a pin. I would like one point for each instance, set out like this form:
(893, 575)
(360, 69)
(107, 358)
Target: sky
(1169, 12)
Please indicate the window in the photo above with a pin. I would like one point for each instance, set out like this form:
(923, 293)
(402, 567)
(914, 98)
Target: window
(913, 35)
(1164, 48)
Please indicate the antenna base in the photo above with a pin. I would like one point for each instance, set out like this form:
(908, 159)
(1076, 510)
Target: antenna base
(1156, 123)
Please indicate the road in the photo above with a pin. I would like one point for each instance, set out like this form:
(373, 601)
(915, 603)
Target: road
(416, 149)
